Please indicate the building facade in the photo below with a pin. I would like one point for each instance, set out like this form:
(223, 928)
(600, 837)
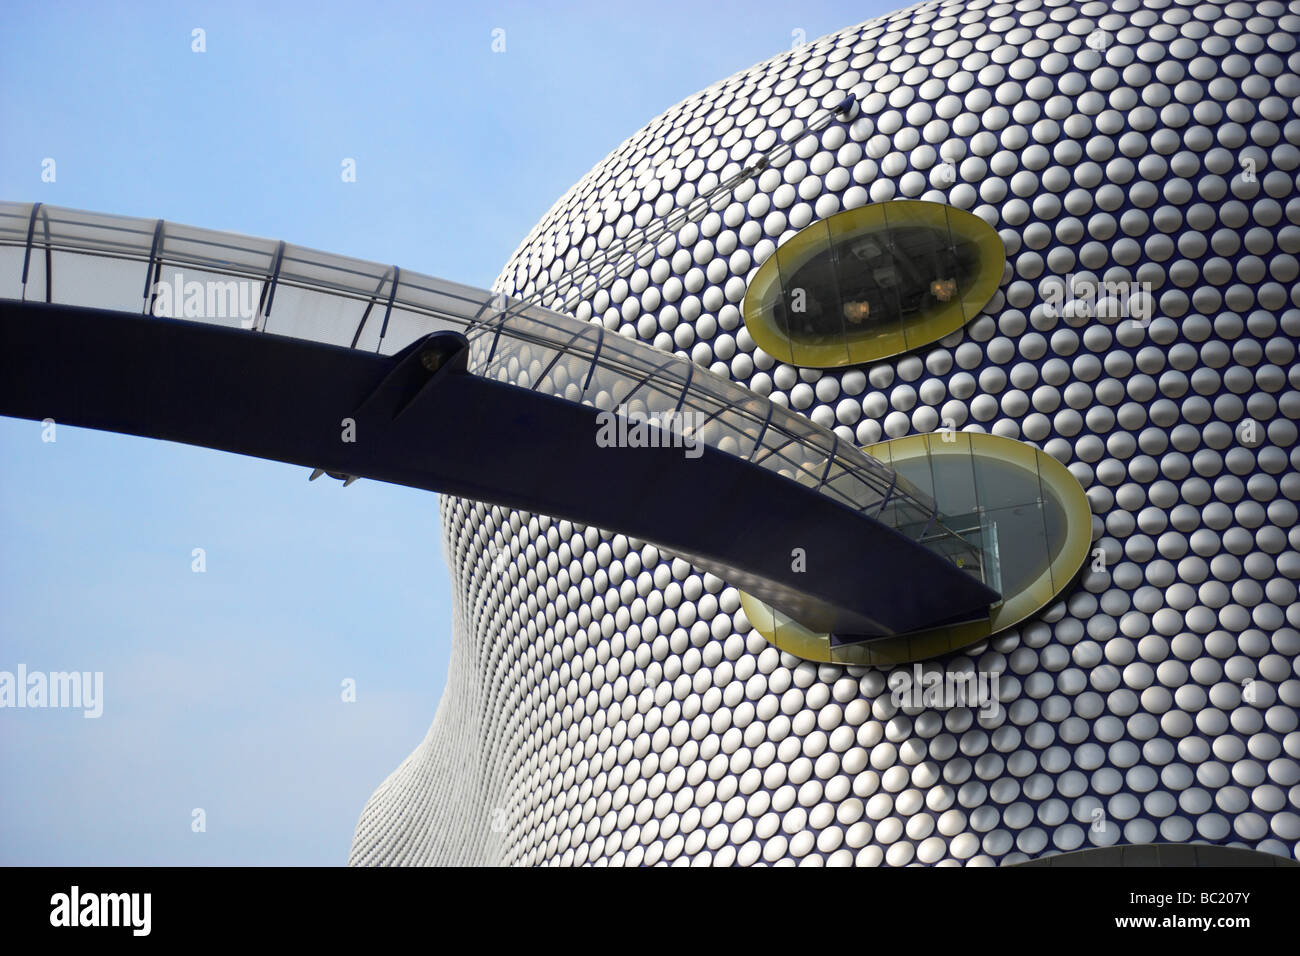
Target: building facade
(608, 704)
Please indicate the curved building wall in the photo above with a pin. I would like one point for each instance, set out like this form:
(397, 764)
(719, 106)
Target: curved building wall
(607, 704)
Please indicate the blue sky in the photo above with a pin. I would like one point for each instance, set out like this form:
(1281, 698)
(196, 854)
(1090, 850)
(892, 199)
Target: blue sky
(222, 690)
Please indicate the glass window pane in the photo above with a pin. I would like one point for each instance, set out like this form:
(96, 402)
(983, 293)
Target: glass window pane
(1021, 545)
(1001, 484)
(91, 281)
(953, 472)
(319, 316)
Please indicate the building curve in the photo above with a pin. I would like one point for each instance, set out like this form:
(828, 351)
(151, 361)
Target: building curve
(606, 704)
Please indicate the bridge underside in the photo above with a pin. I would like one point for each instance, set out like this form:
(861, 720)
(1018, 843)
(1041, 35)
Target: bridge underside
(419, 419)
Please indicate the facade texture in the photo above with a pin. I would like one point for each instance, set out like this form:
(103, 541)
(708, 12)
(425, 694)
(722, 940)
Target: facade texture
(606, 704)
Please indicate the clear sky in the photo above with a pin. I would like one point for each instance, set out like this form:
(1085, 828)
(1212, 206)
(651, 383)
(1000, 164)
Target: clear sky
(223, 690)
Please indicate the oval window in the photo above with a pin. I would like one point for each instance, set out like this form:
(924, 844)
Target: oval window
(1025, 515)
(872, 282)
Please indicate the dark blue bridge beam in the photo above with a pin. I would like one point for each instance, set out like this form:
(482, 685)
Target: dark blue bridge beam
(421, 420)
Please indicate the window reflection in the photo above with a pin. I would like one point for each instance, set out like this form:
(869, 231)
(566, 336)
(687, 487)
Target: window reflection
(873, 282)
(866, 281)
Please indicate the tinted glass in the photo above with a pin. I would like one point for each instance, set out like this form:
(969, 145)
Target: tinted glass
(872, 282)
